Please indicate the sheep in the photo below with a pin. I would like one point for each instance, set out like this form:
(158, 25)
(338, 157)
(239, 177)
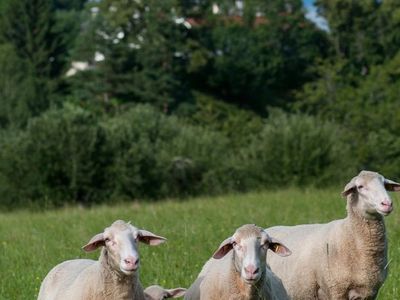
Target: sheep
(343, 259)
(240, 274)
(114, 276)
(156, 292)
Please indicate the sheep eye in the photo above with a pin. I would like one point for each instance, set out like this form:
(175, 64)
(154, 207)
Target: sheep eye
(360, 187)
(106, 240)
(238, 247)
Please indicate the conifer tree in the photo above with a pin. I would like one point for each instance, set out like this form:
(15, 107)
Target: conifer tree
(29, 26)
(140, 42)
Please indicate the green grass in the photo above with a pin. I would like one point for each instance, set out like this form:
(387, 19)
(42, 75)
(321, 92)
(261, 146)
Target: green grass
(32, 243)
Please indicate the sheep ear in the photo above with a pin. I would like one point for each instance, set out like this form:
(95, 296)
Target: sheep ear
(279, 248)
(149, 238)
(350, 187)
(94, 243)
(224, 248)
(391, 186)
(175, 293)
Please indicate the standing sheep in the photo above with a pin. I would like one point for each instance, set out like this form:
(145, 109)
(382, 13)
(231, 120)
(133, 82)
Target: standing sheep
(156, 292)
(343, 259)
(113, 277)
(240, 274)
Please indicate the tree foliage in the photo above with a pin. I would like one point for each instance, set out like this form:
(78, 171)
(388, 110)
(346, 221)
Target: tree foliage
(141, 64)
(234, 95)
(33, 35)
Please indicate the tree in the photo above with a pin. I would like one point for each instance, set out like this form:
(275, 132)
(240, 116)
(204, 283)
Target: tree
(358, 84)
(366, 44)
(141, 63)
(256, 53)
(359, 31)
(13, 107)
(30, 28)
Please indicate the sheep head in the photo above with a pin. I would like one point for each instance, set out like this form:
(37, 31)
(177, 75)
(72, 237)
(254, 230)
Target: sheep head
(250, 244)
(368, 192)
(120, 242)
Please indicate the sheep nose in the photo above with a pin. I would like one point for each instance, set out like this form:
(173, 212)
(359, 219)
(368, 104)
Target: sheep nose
(131, 262)
(386, 206)
(386, 202)
(251, 270)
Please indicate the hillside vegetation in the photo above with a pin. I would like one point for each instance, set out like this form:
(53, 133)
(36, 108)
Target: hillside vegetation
(115, 99)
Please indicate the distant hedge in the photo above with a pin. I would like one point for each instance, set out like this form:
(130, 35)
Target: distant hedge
(70, 155)
(295, 149)
(59, 157)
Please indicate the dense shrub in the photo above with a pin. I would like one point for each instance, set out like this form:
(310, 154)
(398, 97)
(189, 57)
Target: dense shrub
(298, 150)
(380, 151)
(233, 122)
(56, 159)
(69, 155)
(157, 156)
(367, 107)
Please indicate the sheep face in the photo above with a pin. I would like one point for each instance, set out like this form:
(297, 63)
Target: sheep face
(368, 190)
(250, 244)
(120, 242)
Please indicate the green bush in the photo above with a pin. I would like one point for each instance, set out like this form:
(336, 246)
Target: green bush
(380, 151)
(56, 159)
(367, 107)
(295, 149)
(157, 156)
(237, 124)
(69, 155)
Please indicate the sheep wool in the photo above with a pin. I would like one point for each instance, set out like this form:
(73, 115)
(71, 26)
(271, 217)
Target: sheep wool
(343, 259)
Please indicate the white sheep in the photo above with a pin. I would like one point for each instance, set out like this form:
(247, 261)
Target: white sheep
(114, 276)
(343, 259)
(241, 273)
(156, 292)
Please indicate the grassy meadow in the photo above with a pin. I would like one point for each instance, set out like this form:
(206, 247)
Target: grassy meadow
(33, 242)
